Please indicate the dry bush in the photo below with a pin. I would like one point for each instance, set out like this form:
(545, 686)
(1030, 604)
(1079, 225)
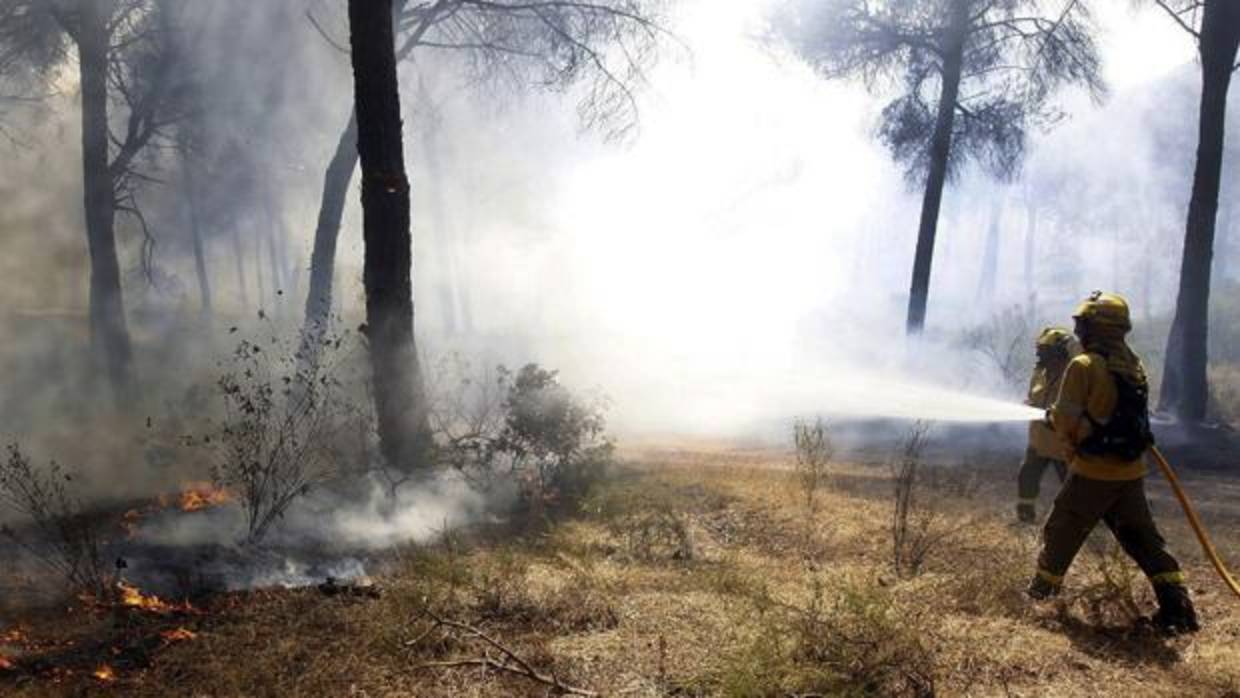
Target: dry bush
(1004, 343)
(1225, 393)
(848, 640)
(62, 536)
(502, 586)
(952, 483)
(814, 451)
(288, 426)
(439, 575)
(730, 576)
(466, 411)
(919, 524)
(647, 522)
(500, 591)
(659, 533)
(584, 603)
(1112, 597)
(989, 581)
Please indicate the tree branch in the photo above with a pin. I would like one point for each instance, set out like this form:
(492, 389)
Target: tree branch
(314, 22)
(517, 667)
(1178, 19)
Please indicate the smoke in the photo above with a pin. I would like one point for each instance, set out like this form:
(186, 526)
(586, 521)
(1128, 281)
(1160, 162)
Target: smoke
(746, 258)
(325, 534)
(741, 260)
(370, 521)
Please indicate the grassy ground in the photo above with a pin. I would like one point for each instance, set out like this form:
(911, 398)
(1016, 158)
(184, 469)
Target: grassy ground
(699, 571)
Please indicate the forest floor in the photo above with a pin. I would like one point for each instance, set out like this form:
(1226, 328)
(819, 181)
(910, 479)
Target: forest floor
(698, 570)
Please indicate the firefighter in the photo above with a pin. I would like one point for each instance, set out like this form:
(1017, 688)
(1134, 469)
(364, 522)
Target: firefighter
(1102, 414)
(1054, 349)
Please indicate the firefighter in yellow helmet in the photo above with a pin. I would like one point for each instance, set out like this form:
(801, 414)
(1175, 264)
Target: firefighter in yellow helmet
(1102, 415)
(1055, 348)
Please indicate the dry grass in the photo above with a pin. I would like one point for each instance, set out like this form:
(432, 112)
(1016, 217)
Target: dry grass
(764, 599)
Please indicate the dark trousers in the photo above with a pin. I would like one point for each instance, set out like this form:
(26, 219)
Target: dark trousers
(1029, 479)
(1122, 506)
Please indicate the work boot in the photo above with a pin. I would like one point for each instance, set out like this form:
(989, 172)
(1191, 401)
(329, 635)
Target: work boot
(1025, 513)
(1040, 589)
(1176, 614)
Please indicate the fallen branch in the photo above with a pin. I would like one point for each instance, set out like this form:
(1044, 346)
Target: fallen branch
(517, 667)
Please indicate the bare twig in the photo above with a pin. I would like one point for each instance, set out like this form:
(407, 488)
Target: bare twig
(511, 663)
(1176, 16)
(339, 46)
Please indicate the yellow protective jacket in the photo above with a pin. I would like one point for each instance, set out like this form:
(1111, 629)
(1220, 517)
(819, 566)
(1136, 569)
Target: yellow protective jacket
(1043, 389)
(1088, 386)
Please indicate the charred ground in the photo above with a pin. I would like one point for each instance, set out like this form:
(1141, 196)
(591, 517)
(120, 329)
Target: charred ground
(696, 570)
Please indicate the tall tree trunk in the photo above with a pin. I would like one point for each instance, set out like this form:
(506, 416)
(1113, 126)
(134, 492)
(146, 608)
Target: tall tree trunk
(940, 149)
(319, 296)
(989, 279)
(1185, 389)
(239, 257)
(277, 280)
(109, 333)
(272, 230)
(195, 232)
(258, 272)
(404, 432)
(1031, 249)
(1224, 242)
(1116, 258)
(464, 240)
(445, 275)
(326, 232)
(1147, 285)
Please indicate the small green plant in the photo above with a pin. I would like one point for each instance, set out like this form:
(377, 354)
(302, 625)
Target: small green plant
(814, 451)
(523, 429)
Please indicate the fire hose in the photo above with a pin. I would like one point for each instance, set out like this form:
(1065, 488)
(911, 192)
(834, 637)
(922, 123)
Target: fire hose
(1195, 521)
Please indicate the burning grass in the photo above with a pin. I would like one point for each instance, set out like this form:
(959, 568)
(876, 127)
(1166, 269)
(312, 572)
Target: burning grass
(774, 600)
(196, 496)
(132, 597)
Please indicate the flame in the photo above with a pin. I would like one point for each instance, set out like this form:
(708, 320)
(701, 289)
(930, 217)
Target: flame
(104, 673)
(13, 637)
(178, 635)
(200, 495)
(130, 522)
(5, 663)
(132, 597)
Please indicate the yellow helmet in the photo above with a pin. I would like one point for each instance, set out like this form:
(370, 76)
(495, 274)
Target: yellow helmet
(1054, 338)
(1105, 309)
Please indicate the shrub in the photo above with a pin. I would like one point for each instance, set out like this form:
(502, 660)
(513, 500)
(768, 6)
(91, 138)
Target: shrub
(814, 450)
(65, 538)
(918, 526)
(539, 436)
(554, 439)
(1112, 597)
(286, 422)
(467, 415)
(656, 532)
(1004, 344)
(846, 641)
(648, 522)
